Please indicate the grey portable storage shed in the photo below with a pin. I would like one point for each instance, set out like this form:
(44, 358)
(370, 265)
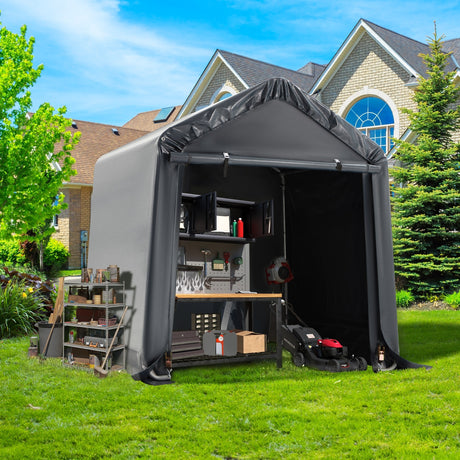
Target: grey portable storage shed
(332, 220)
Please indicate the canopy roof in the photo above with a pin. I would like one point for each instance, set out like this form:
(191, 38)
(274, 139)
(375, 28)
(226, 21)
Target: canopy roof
(272, 120)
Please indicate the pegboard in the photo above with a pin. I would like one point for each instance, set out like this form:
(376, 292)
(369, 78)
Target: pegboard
(233, 279)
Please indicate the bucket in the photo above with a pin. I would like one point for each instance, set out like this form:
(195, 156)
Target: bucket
(55, 346)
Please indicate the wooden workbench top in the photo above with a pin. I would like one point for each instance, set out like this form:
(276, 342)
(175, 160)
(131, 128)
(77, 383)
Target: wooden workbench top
(229, 295)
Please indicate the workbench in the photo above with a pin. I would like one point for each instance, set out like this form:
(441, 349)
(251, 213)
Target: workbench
(229, 299)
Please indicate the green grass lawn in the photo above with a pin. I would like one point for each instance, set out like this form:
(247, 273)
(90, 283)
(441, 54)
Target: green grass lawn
(250, 411)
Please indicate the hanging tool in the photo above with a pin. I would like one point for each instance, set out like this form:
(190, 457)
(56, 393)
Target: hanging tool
(206, 253)
(226, 257)
(233, 279)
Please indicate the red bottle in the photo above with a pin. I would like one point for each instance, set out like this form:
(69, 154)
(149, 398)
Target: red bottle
(240, 228)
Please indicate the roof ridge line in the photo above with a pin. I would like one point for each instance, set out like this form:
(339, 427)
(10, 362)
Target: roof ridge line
(107, 125)
(266, 63)
(396, 33)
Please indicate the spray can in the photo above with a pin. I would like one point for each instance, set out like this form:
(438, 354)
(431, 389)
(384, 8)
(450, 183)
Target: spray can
(234, 229)
(240, 228)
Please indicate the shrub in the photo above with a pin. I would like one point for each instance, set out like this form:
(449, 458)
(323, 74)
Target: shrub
(453, 299)
(55, 255)
(11, 253)
(404, 299)
(20, 308)
(31, 278)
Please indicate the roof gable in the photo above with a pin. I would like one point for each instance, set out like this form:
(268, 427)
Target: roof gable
(254, 72)
(404, 50)
(203, 81)
(408, 48)
(250, 72)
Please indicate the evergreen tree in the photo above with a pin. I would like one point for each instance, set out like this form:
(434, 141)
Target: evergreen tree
(426, 206)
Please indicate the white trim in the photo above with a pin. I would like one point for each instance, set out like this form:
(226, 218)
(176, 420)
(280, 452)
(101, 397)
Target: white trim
(408, 136)
(334, 66)
(222, 90)
(183, 111)
(201, 84)
(366, 92)
(348, 46)
(234, 72)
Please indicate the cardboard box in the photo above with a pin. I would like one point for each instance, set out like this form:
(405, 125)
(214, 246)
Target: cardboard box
(251, 342)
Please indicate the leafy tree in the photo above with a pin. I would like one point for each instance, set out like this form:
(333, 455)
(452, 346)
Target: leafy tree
(427, 206)
(35, 149)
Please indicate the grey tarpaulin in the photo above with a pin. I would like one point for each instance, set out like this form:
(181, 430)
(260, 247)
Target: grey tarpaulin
(275, 138)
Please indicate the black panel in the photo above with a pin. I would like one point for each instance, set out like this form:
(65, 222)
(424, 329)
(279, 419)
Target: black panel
(261, 220)
(204, 213)
(326, 250)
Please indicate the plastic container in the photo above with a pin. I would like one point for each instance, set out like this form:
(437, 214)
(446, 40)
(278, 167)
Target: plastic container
(55, 345)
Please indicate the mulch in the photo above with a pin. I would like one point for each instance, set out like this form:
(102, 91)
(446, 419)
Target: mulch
(426, 306)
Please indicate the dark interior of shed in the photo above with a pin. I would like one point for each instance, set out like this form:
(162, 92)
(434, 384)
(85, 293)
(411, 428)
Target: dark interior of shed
(325, 243)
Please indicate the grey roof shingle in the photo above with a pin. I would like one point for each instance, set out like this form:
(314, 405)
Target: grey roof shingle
(407, 48)
(453, 46)
(254, 72)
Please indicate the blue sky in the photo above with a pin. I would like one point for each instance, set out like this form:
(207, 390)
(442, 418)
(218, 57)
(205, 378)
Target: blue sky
(108, 60)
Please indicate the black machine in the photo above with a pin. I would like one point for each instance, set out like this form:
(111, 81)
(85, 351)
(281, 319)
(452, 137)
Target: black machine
(309, 349)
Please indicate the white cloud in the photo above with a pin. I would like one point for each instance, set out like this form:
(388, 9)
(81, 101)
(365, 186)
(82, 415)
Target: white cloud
(96, 49)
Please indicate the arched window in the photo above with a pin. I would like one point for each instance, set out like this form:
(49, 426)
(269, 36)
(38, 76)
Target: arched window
(374, 117)
(222, 96)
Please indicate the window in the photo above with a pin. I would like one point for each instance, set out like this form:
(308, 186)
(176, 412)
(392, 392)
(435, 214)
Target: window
(163, 114)
(373, 116)
(222, 96)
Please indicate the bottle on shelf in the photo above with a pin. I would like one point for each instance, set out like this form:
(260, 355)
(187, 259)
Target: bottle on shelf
(240, 228)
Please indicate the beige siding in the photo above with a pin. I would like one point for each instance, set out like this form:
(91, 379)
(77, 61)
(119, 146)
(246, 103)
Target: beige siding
(222, 77)
(369, 67)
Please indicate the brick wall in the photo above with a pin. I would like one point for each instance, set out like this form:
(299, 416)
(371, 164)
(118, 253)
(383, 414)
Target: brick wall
(369, 67)
(222, 77)
(74, 219)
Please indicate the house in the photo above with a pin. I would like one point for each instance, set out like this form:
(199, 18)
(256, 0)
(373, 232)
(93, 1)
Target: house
(369, 79)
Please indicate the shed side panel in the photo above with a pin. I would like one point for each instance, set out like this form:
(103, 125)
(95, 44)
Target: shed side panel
(122, 205)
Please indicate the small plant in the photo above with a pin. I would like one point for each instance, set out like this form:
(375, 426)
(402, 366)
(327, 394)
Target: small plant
(453, 299)
(20, 308)
(55, 255)
(404, 299)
